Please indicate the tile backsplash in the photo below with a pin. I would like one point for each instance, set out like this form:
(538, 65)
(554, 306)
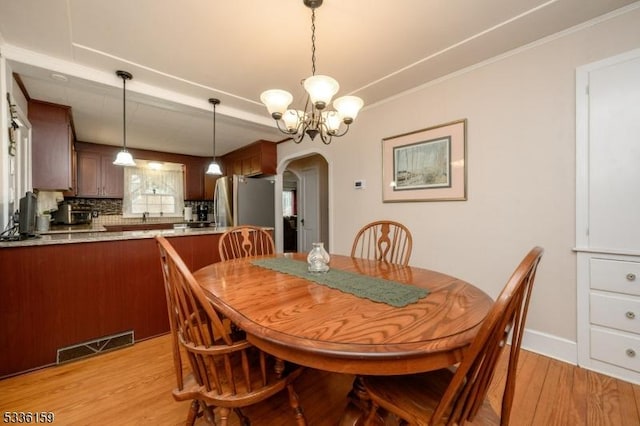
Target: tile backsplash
(109, 210)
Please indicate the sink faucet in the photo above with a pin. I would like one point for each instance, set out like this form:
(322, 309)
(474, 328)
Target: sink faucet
(144, 216)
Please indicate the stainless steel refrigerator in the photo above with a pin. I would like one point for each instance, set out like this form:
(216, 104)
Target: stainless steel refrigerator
(244, 201)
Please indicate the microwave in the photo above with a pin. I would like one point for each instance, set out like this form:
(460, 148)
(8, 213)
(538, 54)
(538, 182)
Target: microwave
(73, 214)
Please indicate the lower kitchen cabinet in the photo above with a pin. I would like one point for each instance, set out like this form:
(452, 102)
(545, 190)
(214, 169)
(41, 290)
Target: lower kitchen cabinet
(55, 296)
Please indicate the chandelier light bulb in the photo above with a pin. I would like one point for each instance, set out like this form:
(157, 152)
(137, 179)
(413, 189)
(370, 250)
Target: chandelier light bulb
(332, 121)
(277, 101)
(292, 119)
(321, 89)
(348, 107)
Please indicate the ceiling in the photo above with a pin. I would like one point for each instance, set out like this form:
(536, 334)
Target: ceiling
(182, 53)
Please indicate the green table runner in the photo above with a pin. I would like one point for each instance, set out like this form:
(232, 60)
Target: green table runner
(376, 289)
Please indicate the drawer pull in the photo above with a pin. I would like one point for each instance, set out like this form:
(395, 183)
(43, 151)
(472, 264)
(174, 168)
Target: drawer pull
(630, 315)
(630, 353)
(631, 276)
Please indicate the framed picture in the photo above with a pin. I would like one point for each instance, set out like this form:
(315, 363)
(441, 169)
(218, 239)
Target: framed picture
(426, 165)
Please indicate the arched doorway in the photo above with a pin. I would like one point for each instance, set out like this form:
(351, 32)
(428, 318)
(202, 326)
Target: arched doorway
(305, 203)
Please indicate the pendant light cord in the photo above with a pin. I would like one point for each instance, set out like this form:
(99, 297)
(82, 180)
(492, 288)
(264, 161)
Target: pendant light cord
(214, 131)
(124, 113)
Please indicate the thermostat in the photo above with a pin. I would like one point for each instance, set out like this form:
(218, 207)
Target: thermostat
(359, 184)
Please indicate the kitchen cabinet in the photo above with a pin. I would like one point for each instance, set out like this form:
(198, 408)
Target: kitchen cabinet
(258, 158)
(194, 177)
(60, 295)
(97, 176)
(52, 146)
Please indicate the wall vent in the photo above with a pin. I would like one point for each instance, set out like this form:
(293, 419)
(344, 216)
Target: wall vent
(94, 347)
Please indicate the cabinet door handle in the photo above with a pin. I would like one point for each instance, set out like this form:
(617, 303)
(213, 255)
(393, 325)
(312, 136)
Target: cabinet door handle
(631, 277)
(630, 353)
(630, 315)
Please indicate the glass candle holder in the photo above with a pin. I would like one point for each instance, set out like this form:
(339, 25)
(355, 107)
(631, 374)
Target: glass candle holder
(318, 258)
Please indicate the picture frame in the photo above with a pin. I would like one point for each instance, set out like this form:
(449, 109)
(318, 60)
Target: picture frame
(426, 165)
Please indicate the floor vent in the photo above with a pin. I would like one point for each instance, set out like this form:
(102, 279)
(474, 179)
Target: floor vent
(94, 347)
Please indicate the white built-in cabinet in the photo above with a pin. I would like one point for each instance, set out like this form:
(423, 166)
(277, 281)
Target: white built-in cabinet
(608, 215)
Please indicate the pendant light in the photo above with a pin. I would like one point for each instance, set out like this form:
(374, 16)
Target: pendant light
(124, 157)
(214, 167)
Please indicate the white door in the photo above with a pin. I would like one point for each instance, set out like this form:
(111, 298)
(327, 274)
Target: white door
(614, 153)
(309, 219)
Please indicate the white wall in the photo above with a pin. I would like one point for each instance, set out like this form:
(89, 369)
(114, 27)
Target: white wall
(521, 172)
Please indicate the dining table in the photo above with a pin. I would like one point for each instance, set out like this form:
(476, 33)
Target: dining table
(362, 317)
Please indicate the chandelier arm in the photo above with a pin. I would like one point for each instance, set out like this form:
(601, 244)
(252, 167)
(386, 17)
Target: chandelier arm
(343, 133)
(297, 138)
(301, 130)
(325, 137)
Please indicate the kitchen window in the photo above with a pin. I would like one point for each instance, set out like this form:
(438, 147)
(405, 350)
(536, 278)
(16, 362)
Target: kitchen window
(153, 188)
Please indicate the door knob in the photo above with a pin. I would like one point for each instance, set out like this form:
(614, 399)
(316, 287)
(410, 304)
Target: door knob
(630, 315)
(631, 277)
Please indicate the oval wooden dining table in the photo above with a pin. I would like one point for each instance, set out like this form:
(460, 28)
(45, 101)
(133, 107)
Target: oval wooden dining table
(316, 326)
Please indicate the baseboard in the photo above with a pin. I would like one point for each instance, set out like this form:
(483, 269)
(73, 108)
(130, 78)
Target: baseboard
(552, 346)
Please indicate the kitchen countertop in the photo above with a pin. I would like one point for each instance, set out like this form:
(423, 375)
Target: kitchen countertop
(96, 235)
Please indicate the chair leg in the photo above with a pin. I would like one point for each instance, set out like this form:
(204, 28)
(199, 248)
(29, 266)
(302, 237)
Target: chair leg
(294, 402)
(244, 420)
(372, 417)
(224, 416)
(209, 416)
(193, 412)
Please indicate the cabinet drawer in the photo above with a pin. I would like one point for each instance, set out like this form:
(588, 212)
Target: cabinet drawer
(615, 275)
(618, 348)
(615, 311)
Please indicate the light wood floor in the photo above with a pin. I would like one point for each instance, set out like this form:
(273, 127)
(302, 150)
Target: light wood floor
(132, 386)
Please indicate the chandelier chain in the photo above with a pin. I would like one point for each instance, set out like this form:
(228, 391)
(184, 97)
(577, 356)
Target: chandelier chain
(313, 42)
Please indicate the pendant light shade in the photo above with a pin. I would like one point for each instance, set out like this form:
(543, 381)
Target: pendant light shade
(214, 167)
(124, 157)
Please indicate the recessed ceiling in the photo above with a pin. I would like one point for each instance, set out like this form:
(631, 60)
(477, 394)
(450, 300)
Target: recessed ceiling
(182, 53)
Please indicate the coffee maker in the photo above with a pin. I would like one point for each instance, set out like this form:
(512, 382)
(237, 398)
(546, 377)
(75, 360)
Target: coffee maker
(202, 212)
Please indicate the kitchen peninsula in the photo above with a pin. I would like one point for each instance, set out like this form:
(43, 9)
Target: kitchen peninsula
(63, 290)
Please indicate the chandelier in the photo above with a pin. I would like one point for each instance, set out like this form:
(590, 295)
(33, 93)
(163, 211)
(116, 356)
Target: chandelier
(316, 119)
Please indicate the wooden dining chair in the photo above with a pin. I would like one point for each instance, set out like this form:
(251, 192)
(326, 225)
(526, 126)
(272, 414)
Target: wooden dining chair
(453, 397)
(245, 241)
(384, 240)
(227, 372)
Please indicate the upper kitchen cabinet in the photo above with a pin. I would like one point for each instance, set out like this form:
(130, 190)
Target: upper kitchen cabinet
(258, 158)
(97, 176)
(52, 146)
(194, 184)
